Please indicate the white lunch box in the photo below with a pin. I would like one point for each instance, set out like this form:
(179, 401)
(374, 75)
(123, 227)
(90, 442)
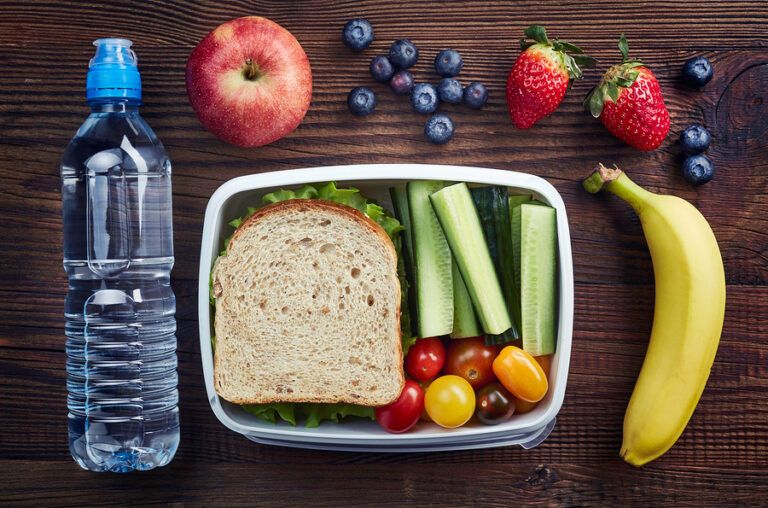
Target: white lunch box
(527, 430)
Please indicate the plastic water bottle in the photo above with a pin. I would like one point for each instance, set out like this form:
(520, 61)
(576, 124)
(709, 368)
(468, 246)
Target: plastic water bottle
(118, 255)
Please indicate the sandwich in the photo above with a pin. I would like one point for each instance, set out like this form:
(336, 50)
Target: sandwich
(308, 306)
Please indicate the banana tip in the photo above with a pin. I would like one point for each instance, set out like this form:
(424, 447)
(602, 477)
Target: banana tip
(630, 458)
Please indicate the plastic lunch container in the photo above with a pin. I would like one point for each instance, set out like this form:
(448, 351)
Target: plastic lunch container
(526, 430)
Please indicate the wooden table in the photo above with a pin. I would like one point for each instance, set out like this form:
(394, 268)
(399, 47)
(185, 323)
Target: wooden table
(723, 455)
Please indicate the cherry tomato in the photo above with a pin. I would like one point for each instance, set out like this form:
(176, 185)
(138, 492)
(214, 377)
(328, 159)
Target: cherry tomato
(472, 360)
(494, 404)
(425, 359)
(403, 413)
(523, 406)
(450, 401)
(424, 415)
(545, 362)
(521, 374)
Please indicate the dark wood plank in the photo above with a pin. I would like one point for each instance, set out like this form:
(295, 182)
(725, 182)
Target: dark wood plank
(44, 50)
(530, 484)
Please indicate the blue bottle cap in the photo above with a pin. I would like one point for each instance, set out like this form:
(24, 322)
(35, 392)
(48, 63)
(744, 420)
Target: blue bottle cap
(113, 72)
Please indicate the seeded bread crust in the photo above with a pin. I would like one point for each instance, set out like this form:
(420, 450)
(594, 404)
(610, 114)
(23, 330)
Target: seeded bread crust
(308, 308)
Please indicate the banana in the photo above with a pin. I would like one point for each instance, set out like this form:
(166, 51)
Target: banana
(687, 321)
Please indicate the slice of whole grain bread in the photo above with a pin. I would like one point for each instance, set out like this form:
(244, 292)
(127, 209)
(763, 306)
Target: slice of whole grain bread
(308, 308)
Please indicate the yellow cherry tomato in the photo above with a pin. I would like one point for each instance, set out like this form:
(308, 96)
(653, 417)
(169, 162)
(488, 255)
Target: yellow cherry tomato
(450, 401)
(521, 374)
(522, 406)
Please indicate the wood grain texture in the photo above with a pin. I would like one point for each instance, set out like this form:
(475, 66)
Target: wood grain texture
(722, 456)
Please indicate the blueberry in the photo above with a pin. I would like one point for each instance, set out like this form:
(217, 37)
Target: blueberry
(449, 90)
(695, 139)
(698, 169)
(403, 54)
(381, 69)
(448, 63)
(475, 95)
(439, 129)
(401, 83)
(697, 71)
(357, 34)
(424, 98)
(361, 101)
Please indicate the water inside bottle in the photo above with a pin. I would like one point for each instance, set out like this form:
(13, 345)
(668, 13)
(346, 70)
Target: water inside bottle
(120, 329)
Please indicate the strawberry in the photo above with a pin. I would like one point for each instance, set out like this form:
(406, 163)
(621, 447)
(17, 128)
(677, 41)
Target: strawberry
(628, 101)
(541, 75)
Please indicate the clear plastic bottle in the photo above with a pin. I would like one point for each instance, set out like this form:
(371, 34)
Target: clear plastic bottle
(118, 255)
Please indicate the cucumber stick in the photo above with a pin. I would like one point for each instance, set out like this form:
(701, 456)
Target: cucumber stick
(534, 240)
(493, 209)
(458, 218)
(464, 319)
(432, 262)
(403, 214)
(515, 202)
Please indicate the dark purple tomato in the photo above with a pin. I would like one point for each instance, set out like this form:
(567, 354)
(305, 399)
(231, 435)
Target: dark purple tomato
(494, 404)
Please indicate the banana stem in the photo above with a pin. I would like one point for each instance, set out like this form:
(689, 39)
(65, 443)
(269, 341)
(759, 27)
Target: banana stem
(616, 182)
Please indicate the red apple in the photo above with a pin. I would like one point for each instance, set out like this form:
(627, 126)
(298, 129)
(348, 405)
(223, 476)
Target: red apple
(249, 81)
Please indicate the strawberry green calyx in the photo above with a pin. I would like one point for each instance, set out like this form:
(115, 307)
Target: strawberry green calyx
(572, 57)
(616, 78)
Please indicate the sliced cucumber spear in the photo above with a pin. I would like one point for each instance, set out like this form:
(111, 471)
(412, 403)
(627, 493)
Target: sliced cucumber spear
(464, 319)
(534, 241)
(493, 209)
(432, 262)
(403, 213)
(517, 200)
(514, 202)
(458, 218)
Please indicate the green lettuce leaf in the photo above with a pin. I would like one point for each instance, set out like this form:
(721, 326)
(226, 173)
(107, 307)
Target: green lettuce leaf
(270, 412)
(408, 341)
(306, 192)
(349, 196)
(314, 414)
(235, 223)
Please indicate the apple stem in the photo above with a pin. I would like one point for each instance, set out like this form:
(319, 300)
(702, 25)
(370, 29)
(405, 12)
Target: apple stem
(251, 71)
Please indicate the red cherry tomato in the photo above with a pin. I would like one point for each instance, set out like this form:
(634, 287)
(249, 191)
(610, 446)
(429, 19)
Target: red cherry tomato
(403, 413)
(425, 386)
(425, 359)
(472, 360)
